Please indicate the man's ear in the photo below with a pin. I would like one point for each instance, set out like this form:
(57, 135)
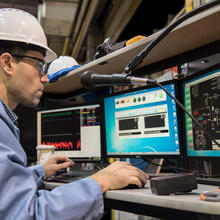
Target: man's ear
(6, 62)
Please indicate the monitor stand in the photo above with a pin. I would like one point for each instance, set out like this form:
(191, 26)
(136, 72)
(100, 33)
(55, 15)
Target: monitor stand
(207, 167)
(152, 168)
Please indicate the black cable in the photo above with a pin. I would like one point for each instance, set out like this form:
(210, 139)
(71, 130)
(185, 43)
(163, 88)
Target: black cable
(177, 169)
(137, 60)
(138, 163)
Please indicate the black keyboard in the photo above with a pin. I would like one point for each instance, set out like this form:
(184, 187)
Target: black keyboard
(81, 173)
(71, 176)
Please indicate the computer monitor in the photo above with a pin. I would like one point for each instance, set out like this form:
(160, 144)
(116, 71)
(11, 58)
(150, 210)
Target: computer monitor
(74, 131)
(142, 122)
(202, 99)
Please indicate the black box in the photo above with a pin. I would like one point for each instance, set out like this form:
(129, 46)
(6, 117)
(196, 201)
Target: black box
(181, 182)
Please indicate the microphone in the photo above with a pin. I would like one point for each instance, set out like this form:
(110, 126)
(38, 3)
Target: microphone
(90, 79)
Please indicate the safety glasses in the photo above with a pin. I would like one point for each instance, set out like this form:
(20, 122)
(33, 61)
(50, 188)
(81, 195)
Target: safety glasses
(41, 66)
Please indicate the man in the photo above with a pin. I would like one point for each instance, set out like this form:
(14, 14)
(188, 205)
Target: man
(23, 57)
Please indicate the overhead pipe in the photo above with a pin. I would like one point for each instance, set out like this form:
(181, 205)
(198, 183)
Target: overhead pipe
(84, 29)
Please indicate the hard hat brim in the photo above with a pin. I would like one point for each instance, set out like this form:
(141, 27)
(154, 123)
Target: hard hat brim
(50, 55)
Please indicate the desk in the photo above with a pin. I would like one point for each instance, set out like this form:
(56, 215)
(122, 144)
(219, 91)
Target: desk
(142, 201)
(185, 206)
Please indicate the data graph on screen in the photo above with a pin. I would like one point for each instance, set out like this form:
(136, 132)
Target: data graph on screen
(63, 137)
(75, 131)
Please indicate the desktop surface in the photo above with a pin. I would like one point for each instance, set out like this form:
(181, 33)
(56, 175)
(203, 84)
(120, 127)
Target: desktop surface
(189, 202)
(144, 202)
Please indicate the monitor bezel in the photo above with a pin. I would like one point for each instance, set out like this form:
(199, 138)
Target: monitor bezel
(181, 155)
(186, 79)
(102, 158)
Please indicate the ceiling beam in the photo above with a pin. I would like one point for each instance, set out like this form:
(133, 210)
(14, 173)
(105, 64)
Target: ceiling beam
(119, 17)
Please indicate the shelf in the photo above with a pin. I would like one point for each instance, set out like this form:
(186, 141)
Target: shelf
(195, 32)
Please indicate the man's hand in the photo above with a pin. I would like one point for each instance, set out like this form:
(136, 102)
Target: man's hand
(118, 175)
(55, 163)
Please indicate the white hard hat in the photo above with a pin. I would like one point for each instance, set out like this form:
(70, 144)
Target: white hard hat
(61, 66)
(20, 26)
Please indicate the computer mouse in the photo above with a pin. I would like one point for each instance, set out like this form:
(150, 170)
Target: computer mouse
(133, 186)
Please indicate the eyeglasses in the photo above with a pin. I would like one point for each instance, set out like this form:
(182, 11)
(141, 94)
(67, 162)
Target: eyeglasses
(41, 66)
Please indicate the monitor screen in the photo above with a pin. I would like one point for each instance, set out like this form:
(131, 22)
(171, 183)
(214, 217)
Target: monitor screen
(202, 100)
(74, 131)
(142, 122)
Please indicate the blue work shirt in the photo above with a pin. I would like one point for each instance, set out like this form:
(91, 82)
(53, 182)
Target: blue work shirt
(20, 198)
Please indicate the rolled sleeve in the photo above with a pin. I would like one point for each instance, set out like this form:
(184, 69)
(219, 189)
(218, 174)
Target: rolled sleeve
(38, 173)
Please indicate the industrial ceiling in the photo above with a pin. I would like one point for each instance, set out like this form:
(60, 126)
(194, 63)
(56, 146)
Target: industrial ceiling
(77, 27)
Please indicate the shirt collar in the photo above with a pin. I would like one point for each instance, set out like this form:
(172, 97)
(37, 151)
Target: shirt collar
(10, 114)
